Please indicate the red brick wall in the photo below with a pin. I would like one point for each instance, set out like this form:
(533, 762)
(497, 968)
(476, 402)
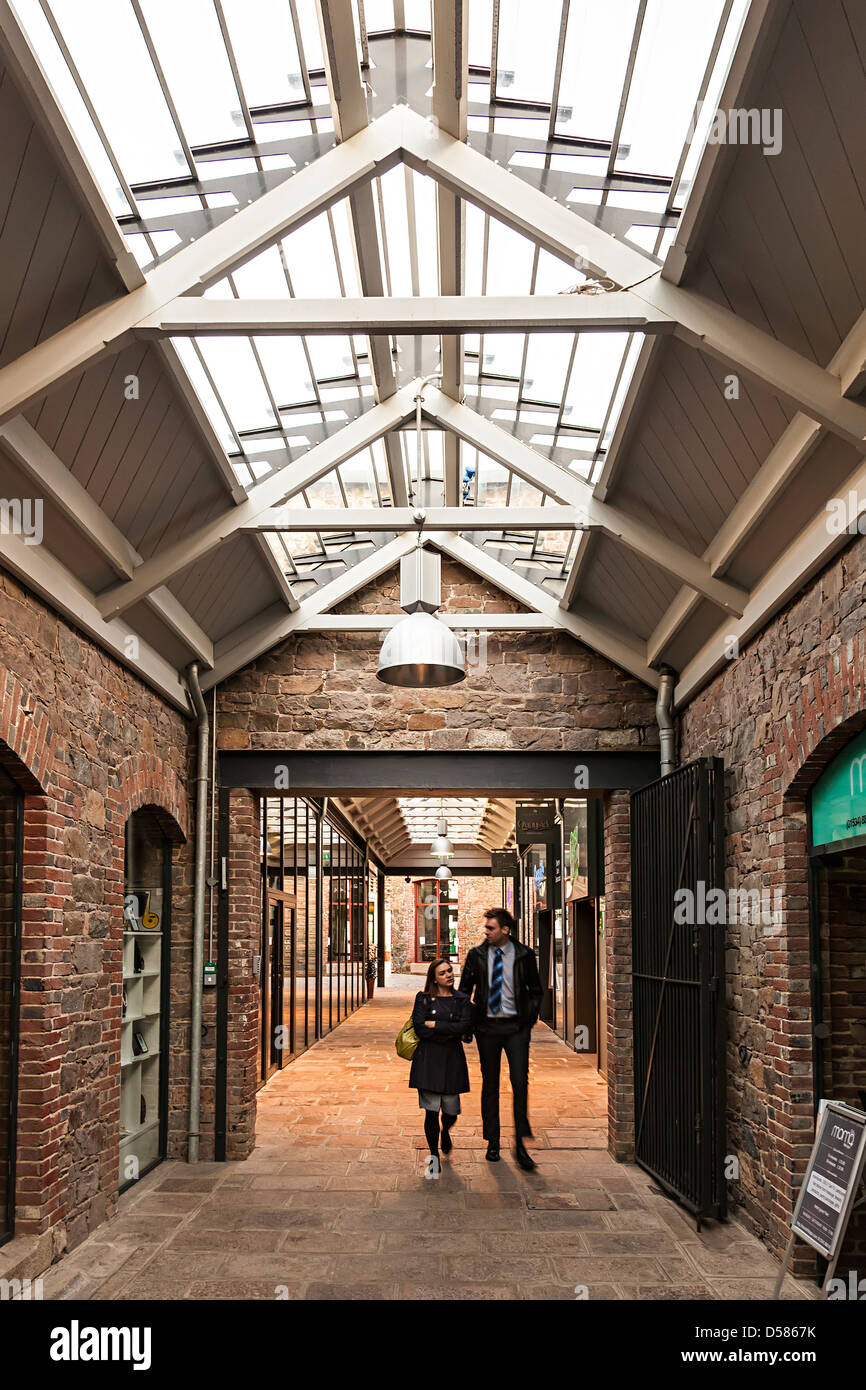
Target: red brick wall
(777, 714)
(842, 905)
(90, 743)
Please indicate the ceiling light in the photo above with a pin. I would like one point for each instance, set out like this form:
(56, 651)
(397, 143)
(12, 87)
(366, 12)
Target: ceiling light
(444, 872)
(442, 848)
(420, 652)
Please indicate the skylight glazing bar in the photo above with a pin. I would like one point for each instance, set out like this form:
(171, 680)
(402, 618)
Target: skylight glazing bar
(494, 55)
(128, 194)
(166, 91)
(305, 75)
(702, 92)
(557, 72)
(626, 87)
(233, 64)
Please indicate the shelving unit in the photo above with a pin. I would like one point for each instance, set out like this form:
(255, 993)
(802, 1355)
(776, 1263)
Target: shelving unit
(139, 1071)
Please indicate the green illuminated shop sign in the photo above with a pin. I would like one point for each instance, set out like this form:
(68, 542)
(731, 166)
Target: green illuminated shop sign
(839, 796)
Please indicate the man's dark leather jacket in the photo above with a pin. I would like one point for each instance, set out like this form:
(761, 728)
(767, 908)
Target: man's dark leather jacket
(527, 986)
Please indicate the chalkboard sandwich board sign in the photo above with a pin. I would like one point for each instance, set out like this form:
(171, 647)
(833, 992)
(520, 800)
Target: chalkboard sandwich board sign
(832, 1179)
(830, 1187)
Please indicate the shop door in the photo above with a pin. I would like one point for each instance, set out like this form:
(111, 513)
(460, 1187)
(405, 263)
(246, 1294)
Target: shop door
(678, 980)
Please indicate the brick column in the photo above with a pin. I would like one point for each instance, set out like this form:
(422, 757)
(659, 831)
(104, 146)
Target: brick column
(245, 916)
(617, 925)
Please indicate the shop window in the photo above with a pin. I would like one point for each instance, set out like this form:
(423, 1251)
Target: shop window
(11, 830)
(436, 922)
(144, 1007)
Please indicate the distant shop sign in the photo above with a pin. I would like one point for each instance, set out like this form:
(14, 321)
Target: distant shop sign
(503, 863)
(533, 823)
(839, 796)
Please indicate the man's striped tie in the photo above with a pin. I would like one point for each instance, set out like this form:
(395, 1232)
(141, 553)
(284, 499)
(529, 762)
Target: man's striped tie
(495, 1000)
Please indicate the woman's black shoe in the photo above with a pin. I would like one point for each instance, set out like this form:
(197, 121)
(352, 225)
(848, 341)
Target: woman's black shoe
(492, 1154)
(445, 1143)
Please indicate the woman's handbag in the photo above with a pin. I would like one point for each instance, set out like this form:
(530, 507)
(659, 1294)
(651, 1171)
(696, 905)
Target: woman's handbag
(407, 1041)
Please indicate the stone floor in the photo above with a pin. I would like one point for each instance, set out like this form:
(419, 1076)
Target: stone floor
(333, 1203)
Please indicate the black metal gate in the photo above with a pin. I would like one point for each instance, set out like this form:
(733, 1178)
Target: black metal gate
(677, 861)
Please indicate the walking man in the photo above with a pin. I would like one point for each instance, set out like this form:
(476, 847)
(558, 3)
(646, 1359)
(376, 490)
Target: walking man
(503, 975)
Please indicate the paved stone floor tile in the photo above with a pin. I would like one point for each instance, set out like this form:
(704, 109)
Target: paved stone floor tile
(333, 1203)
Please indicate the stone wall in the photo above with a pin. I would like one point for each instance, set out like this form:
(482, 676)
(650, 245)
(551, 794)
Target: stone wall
(523, 690)
(89, 743)
(777, 715)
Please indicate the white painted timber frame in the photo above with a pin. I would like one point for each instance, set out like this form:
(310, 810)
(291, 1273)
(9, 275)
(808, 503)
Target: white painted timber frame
(168, 302)
(403, 134)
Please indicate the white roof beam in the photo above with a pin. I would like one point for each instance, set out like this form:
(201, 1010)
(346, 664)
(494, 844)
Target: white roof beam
(30, 77)
(378, 314)
(220, 460)
(700, 322)
(645, 365)
(568, 488)
(350, 440)
(810, 552)
(246, 644)
(106, 329)
(450, 106)
(627, 652)
(349, 105)
(323, 519)
(784, 461)
(481, 622)
(56, 484)
(761, 28)
(41, 572)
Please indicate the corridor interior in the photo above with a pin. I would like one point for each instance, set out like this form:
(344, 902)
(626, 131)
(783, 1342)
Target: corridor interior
(332, 1204)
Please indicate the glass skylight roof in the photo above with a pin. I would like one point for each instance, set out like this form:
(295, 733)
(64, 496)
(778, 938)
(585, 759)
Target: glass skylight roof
(188, 110)
(464, 816)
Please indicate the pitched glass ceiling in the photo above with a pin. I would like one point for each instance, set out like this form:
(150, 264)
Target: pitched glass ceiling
(464, 816)
(188, 110)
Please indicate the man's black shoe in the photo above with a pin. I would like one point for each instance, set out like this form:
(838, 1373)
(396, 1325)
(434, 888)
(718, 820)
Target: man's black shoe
(527, 1163)
(492, 1154)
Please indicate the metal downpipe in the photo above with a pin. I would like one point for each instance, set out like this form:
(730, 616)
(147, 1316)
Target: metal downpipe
(201, 779)
(664, 719)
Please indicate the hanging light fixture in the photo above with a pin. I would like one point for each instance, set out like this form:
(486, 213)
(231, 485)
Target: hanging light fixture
(441, 847)
(420, 652)
(443, 872)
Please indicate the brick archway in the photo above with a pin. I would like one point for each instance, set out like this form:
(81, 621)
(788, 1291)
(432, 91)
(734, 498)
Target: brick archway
(27, 743)
(824, 716)
(826, 713)
(145, 780)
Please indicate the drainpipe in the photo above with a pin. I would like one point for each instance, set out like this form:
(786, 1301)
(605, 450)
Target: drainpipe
(664, 706)
(201, 778)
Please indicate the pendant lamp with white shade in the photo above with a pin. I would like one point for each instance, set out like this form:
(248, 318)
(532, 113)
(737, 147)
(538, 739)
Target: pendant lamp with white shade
(420, 652)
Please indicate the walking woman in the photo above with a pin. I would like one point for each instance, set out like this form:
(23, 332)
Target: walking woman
(441, 1018)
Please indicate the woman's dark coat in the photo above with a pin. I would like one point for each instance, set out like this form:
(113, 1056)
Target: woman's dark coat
(439, 1063)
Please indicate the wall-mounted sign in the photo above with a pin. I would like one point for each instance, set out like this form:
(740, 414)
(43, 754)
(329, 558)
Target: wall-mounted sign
(832, 1178)
(839, 796)
(503, 863)
(533, 822)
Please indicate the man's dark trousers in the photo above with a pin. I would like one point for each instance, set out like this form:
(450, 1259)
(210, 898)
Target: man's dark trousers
(495, 1036)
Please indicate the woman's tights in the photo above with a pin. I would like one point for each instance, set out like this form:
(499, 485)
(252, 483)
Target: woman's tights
(431, 1127)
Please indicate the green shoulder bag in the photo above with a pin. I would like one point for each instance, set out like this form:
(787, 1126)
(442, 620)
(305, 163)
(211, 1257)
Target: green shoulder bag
(407, 1041)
